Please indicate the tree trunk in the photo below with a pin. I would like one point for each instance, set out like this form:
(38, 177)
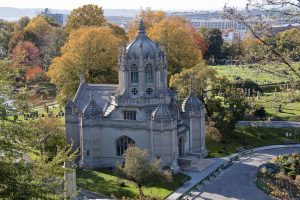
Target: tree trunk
(140, 190)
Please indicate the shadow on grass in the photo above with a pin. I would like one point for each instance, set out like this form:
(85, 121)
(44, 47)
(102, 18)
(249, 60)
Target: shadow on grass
(104, 183)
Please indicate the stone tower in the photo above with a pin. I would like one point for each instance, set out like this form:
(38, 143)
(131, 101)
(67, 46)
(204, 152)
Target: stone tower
(194, 117)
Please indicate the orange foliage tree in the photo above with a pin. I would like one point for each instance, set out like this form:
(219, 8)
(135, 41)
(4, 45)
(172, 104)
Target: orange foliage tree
(25, 55)
(35, 74)
(174, 34)
(150, 18)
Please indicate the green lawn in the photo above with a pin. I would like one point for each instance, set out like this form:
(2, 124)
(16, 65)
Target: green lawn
(256, 137)
(105, 182)
(255, 74)
(290, 112)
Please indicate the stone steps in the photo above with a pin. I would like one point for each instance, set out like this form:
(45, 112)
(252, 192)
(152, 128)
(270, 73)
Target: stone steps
(198, 165)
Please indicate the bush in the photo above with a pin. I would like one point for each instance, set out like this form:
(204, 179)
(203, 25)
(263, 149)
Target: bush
(35, 74)
(259, 111)
(212, 133)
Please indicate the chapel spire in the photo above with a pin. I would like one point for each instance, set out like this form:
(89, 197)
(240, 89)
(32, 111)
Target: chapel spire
(141, 26)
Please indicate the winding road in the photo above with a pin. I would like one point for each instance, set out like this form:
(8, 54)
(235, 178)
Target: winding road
(238, 181)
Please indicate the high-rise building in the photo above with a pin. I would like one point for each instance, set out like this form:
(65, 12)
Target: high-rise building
(57, 18)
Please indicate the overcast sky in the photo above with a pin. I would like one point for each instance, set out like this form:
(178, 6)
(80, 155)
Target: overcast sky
(126, 4)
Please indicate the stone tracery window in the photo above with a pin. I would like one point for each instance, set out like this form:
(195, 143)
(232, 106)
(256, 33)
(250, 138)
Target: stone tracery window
(148, 74)
(149, 91)
(134, 74)
(122, 144)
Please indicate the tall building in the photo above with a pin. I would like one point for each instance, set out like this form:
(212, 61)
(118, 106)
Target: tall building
(57, 18)
(210, 20)
(103, 120)
(121, 21)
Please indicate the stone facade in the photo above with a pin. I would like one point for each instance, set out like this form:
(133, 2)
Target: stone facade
(102, 120)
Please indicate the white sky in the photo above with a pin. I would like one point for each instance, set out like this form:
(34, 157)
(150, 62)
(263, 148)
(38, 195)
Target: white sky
(126, 4)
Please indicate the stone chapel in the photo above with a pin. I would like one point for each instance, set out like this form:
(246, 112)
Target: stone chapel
(104, 119)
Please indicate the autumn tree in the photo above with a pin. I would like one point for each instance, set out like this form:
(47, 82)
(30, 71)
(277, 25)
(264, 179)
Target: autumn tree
(91, 52)
(150, 18)
(118, 32)
(177, 40)
(25, 55)
(87, 15)
(35, 74)
(39, 25)
(47, 38)
(140, 169)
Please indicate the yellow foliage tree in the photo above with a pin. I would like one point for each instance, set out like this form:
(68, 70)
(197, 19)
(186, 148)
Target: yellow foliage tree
(149, 17)
(91, 52)
(200, 75)
(174, 35)
(87, 15)
(39, 26)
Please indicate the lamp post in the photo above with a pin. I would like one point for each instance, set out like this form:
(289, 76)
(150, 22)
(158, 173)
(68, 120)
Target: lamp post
(245, 139)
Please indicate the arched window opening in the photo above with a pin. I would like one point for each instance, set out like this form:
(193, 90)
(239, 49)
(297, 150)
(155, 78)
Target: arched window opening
(148, 74)
(122, 144)
(134, 74)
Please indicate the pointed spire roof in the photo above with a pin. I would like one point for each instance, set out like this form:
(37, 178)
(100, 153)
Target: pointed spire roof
(141, 26)
(92, 110)
(142, 46)
(191, 102)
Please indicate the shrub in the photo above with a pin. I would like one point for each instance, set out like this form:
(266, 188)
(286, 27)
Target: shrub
(35, 74)
(259, 111)
(212, 133)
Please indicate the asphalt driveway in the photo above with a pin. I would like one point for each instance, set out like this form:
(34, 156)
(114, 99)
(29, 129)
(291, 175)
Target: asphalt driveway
(238, 181)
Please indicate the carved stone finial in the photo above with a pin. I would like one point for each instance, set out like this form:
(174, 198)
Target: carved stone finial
(81, 77)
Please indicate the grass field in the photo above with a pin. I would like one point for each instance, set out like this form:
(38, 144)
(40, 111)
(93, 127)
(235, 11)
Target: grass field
(290, 111)
(232, 72)
(255, 137)
(103, 181)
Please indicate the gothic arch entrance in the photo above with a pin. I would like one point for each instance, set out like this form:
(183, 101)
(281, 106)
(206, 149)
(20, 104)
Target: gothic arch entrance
(180, 146)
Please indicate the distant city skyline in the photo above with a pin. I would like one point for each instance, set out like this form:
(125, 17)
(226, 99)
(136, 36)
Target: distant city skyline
(129, 4)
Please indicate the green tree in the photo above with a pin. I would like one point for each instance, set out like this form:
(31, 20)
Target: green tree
(23, 22)
(201, 76)
(139, 169)
(87, 15)
(226, 104)
(91, 52)
(214, 40)
(28, 171)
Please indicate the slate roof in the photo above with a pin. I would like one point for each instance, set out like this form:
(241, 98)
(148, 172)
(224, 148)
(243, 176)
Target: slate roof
(162, 114)
(101, 95)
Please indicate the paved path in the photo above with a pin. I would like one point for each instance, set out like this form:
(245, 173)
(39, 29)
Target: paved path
(275, 124)
(238, 181)
(196, 177)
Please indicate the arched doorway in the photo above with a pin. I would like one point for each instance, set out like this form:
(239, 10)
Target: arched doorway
(180, 146)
